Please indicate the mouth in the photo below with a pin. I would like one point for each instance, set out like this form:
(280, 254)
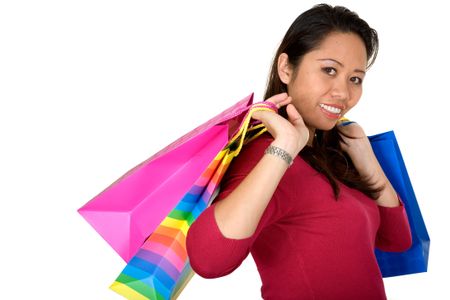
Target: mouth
(331, 111)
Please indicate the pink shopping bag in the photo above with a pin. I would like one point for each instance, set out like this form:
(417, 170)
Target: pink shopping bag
(161, 268)
(129, 210)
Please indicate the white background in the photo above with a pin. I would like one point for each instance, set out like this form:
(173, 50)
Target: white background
(89, 89)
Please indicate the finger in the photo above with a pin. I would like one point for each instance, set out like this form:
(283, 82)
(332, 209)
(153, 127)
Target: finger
(285, 102)
(351, 129)
(260, 115)
(278, 99)
(346, 126)
(344, 129)
(294, 116)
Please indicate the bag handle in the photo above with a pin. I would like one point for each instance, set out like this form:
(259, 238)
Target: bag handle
(248, 126)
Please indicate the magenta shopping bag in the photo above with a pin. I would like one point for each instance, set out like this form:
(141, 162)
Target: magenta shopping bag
(161, 267)
(130, 209)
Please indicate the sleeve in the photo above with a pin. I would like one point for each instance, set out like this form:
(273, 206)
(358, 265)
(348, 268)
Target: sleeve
(211, 254)
(394, 233)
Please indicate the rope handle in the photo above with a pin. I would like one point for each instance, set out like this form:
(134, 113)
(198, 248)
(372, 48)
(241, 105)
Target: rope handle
(248, 126)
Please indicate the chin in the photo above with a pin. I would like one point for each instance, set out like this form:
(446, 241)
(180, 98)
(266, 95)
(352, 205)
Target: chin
(324, 126)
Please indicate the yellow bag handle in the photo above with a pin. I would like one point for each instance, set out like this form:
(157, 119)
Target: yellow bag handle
(242, 135)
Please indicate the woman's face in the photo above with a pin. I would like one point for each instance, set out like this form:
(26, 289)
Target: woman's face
(328, 80)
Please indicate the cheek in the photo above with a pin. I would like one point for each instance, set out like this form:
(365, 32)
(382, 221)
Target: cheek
(308, 89)
(301, 98)
(354, 98)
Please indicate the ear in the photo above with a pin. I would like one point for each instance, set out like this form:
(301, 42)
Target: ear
(284, 68)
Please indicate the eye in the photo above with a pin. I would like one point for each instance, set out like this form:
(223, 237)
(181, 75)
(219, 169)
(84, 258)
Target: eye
(329, 70)
(356, 80)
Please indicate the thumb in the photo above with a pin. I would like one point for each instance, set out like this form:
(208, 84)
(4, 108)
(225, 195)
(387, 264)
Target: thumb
(294, 116)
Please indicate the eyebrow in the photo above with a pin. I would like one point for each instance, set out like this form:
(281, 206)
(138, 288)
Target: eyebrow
(339, 63)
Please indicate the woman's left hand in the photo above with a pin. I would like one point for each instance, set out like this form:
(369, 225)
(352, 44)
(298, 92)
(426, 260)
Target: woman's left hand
(357, 146)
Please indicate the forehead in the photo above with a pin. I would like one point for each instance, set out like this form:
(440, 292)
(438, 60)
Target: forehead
(347, 48)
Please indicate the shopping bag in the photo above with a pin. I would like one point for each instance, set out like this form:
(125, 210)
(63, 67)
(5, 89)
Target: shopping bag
(161, 269)
(127, 211)
(415, 259)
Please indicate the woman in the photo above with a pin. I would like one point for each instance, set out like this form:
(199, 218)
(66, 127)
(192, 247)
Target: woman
(308, 199)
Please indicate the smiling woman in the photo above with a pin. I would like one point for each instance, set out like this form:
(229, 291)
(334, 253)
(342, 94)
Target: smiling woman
(320, 219)
(89, 89)
(329, 77)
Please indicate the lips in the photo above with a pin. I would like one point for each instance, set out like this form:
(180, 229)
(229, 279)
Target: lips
(332, 111)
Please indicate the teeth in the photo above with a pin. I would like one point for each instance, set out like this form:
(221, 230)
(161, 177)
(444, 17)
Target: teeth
(331, 109)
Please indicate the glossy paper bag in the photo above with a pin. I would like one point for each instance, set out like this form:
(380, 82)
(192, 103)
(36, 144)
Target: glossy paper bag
(415, 259)
(128, 211)
(161, 268)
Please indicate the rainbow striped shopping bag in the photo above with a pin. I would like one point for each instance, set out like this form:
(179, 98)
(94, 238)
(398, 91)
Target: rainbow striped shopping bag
(161, 269)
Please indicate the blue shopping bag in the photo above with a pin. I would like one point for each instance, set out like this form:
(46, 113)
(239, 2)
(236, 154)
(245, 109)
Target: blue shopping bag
(415, 259)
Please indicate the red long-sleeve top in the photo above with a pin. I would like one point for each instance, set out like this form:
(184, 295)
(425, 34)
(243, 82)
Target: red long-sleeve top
(307, 245)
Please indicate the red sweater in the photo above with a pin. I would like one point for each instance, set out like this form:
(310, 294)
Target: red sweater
(307, 245)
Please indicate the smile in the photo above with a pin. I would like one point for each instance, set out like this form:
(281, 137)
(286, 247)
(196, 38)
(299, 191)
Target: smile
(331, 109)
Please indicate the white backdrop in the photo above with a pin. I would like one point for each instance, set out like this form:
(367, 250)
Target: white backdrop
(89, 89)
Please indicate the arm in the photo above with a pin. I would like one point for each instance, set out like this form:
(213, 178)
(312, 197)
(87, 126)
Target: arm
(238, 215)
(220, 239)
(213, 251)
(357, 146)
(394, 232)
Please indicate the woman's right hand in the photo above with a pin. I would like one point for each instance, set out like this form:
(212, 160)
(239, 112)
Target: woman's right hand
(292, 134)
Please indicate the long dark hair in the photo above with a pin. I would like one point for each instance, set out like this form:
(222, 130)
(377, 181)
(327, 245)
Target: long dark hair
(305, 34)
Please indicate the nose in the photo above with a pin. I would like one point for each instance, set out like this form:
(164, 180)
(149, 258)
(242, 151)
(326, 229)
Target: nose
(340, 90)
